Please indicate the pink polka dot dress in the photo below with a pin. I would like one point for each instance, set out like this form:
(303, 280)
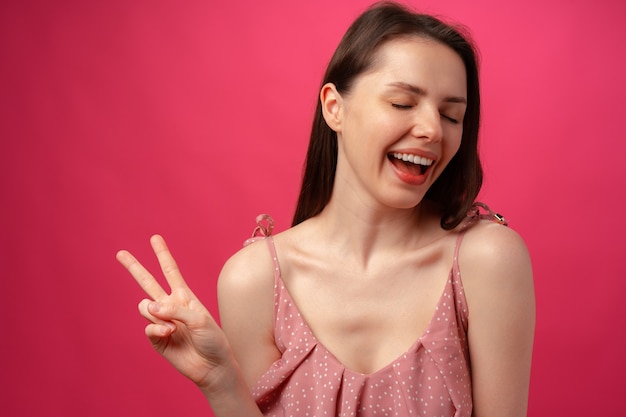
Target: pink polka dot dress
(431, 379)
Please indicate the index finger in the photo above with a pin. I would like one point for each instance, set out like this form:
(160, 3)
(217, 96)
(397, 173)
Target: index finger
(145, 280)
(168, 264)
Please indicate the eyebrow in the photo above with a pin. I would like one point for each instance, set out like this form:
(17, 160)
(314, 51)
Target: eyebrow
(421, 92)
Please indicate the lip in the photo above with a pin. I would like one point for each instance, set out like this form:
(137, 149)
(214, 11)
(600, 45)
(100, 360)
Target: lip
(407, 177)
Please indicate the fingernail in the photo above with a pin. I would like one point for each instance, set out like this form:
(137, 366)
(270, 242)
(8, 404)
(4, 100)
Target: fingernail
(167, 328)
(155, 307)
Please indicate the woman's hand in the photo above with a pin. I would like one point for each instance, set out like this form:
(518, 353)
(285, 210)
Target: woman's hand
(181, 329)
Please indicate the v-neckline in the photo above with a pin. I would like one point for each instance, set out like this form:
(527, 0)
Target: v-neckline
(413, 348)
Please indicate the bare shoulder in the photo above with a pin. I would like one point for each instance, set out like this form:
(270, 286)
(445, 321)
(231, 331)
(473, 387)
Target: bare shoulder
(245, 286)
(497, 272)
(251, 269)
(248, 269)
(491, 250)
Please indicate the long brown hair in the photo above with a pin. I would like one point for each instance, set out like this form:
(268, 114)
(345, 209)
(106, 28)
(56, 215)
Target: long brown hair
(459, 184)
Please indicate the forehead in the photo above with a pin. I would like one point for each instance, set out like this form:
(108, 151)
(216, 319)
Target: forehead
(419, 61)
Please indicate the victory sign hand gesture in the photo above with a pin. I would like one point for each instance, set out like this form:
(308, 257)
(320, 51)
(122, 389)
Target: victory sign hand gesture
(181, 329)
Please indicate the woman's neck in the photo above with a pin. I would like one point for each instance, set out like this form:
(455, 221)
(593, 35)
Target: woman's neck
(361, 233)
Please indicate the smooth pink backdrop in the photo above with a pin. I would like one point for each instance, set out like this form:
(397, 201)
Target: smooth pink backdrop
(123, 119)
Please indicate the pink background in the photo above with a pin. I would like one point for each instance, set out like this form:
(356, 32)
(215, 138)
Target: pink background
(122, 119)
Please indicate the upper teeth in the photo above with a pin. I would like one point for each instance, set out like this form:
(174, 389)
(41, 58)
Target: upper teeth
(415, 159)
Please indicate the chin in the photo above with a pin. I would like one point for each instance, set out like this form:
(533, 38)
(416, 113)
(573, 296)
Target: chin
(405, 203)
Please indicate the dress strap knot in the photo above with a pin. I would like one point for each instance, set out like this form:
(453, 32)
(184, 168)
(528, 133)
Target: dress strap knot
(474, 214)
(265, 225)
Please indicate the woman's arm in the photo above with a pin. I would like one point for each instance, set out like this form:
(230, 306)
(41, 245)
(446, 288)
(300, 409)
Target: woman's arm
(497, 276)
(246, 303)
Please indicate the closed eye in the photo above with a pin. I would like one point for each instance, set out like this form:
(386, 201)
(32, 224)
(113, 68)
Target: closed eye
(410, 106)
(401, 106)
(450, 119)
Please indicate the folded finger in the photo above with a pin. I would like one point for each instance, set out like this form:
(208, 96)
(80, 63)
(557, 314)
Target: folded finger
(195, 317)
(156, 331)
(143, 310)
(145, 280)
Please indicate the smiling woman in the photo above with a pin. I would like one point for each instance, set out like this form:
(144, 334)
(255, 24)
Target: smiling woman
(387, 295)
(399, 105)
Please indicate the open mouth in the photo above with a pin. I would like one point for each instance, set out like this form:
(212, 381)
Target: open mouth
(409, 163)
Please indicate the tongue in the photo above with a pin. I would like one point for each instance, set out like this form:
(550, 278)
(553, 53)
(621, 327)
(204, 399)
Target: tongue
(407, 167)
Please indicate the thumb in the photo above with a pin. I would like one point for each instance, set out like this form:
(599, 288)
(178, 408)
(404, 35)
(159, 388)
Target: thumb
(173, 311)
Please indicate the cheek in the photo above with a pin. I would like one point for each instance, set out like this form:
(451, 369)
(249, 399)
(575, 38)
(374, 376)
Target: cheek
(451, 144)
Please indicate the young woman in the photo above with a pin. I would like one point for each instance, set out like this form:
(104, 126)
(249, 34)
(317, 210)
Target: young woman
(390, 295)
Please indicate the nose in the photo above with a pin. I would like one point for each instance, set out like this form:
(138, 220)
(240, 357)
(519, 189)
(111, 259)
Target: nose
(427, 124)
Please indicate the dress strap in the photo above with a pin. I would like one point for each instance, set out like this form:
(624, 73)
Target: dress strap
(272, 249)
(263, 231)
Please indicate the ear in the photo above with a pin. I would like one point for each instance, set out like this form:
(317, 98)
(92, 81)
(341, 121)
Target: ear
(332, 106)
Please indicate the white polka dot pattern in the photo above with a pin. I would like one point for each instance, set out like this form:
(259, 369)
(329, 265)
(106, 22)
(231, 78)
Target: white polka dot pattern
(431, 379)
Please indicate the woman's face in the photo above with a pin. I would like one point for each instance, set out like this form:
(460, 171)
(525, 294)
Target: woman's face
(401, 122)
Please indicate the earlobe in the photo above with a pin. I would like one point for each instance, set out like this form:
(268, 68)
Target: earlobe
(331, 106)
